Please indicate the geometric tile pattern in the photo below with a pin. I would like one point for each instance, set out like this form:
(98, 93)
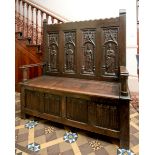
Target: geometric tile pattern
(47, 138)
(19, 152)
(33, 147)
(70, 137)
(49, 130)
(124, 152)
(95, 145)
(135, 100)
(31, 124)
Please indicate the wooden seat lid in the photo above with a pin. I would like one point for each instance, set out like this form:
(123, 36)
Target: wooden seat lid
(79, 86)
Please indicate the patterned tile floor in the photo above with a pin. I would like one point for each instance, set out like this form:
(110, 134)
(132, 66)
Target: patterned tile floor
(47, 138)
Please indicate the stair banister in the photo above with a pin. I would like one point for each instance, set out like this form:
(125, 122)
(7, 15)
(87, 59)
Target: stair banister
(26, 11)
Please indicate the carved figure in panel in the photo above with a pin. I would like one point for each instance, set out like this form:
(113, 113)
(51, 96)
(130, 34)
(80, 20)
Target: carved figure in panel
(110, 52)
(110, 59)
(88, 59)
(69, 51)
(89, 49)
(69, 58)
(53, 57)
(53, 51)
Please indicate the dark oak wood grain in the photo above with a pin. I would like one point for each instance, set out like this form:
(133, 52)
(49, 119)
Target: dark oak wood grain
(84, 81)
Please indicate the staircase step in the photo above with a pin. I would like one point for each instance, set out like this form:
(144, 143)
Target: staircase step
(19, 35)
(37, 46)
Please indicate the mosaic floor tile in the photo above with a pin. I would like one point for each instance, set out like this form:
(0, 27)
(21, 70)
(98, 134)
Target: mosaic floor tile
(50, 137)
(64, 147)
(39, 132)
(134, 140)
(82, 139)
(40, 139)
(23, 144)
(18, 152)
(124, 152)
(34, 147)
(102, 152)
(22, 137)
(95, 145)
(70, 137)
(49, 130)
(85, 148)
(111, 149)
(69, 152)
(53, 150)
(31, 124)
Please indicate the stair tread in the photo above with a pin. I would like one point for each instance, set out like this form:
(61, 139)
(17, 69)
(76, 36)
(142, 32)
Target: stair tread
(33, 45)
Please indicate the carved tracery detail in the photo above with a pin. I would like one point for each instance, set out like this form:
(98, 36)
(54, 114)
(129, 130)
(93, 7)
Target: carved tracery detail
(88, 66)
(69, 57)
(110, 52)
(53, 52)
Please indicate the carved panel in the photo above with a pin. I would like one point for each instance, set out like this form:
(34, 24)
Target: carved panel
(52, 104)
(109, 115)
(53, 52)
(110, 52)
(34, 100)
(77, 109)
(88, 66)
(69, 57)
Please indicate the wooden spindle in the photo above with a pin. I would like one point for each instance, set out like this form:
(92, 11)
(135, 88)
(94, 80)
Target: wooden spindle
(59, 21)
(27, 19)
(47, 16)
(36, 26)
(15, 6)
(15, 15)
(18, 18)
(41, 13)
(23, 3)
(19, 7)
(32, 24)
(52, 19)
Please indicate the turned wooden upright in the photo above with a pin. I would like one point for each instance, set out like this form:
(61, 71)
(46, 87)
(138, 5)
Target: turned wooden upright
(85, 81)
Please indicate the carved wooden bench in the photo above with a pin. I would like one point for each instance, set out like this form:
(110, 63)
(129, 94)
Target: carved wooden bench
(84, 83)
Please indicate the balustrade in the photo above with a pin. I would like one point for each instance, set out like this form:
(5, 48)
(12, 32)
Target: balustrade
(26, 11)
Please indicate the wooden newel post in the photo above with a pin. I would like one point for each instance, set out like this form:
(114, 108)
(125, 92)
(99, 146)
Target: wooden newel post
(25, 73)
(124, 80)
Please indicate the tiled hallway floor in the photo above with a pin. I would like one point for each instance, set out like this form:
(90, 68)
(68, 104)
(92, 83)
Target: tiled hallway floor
(47, 138)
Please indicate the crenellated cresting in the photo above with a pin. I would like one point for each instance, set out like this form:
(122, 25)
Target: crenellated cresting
(29, 18)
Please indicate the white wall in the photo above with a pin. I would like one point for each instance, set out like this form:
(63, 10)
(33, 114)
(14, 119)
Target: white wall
(76, 10)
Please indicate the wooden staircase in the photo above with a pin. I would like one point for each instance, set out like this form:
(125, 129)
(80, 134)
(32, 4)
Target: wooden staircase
(24, 55)
(29, 18)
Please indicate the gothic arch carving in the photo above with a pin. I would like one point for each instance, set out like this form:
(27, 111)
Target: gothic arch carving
(53, 52)
(88, 66)
(110, 52)
(69, 54)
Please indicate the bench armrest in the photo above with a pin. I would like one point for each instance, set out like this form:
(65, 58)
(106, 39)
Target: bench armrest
(124, 80)
(25, 69)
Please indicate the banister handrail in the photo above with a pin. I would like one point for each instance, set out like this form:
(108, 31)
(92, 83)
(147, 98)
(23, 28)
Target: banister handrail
(46, 10)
